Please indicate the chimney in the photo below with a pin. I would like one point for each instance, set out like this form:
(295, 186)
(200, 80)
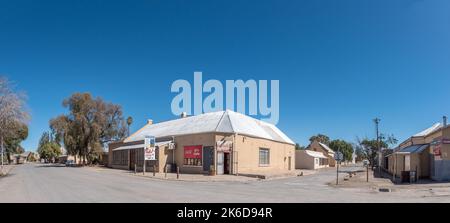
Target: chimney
(444, 121)
(149, 122)
(183, 115)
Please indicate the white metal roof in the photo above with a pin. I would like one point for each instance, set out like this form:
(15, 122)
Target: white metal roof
(428, 130)
(222, 121)
(316, 154)
(326, 148)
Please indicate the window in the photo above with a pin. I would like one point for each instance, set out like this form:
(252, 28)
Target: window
(193, 155)
(264, 157)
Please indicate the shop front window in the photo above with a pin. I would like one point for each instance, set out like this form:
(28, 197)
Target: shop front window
(193, 155)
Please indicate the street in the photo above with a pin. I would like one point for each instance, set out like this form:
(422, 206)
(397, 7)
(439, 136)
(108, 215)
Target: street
(38, 183)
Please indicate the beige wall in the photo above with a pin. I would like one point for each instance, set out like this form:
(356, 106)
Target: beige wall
(305, 161)
(247, 149)
(418, 161)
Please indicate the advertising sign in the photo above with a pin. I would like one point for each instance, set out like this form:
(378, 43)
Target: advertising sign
(150, 148)
(224, 146)
(193, 152)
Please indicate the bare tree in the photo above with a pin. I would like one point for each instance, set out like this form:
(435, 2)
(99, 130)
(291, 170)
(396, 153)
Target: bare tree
(12, 111)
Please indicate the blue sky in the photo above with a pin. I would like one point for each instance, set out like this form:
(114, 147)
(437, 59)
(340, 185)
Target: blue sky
(340, 63)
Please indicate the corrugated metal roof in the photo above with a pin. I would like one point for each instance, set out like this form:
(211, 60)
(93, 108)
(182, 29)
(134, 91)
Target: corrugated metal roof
(429, 130)
(326, 147)
(222, 121)
(414, 148)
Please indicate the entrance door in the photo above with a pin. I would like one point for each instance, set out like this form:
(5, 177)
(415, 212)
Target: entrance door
(220, 163)
(208, 158)
(227, 163)
(289, 163)
(132, 159)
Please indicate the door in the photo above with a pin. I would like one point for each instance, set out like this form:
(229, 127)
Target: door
(289, 163)
(220, 163)
(227, 163)
(132, 159)
(208, 158)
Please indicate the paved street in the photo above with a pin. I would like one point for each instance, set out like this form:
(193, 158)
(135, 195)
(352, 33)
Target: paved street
(43, 183)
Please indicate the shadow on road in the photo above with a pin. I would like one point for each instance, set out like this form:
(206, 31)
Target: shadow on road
(50, 166)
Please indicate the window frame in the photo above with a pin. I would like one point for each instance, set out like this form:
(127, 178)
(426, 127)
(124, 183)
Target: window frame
(267, 158)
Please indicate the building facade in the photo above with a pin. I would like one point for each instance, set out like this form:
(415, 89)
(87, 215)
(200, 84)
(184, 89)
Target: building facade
(327, 151)
(310, 160)
(426, 153)
(223, 142)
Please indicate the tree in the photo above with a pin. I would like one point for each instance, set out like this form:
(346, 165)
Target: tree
(12, 143)
(320, 138)
(13, 115)
(129, 122)
(299, 147)
(369, 149)
(343, 147)
(90, 124)
(48, 149)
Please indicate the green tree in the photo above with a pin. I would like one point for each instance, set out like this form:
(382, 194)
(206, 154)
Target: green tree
(48, 149)
(369, 149)
(13, 116)
(320, 138)
(343, 147)
(90, 124)
(12, 142)
(129, 123)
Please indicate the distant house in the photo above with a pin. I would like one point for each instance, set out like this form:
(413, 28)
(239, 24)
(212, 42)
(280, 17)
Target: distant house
(310, 160)
(22, 158)
(320, 147)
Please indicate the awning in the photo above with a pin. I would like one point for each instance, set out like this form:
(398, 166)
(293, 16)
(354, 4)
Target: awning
(413, 149)
(140, 146)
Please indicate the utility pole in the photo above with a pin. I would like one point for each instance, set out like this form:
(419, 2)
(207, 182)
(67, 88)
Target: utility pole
(377, 122)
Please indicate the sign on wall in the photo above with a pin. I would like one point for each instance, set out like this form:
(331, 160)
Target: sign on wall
(193, 152)
(224, 146)
(150, 148)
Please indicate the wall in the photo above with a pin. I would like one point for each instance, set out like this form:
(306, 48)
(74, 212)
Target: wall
(205, 139)
(304, 161)
(248, 155)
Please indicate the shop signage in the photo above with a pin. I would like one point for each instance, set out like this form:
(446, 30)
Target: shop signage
(150, 148)
(193, 152)
(437, 150)
(445, 141)
(224, 146)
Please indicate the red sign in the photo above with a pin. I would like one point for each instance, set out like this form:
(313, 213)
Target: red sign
(193, 152)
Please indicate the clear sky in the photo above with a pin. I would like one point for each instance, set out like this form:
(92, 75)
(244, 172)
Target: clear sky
(340, 63)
